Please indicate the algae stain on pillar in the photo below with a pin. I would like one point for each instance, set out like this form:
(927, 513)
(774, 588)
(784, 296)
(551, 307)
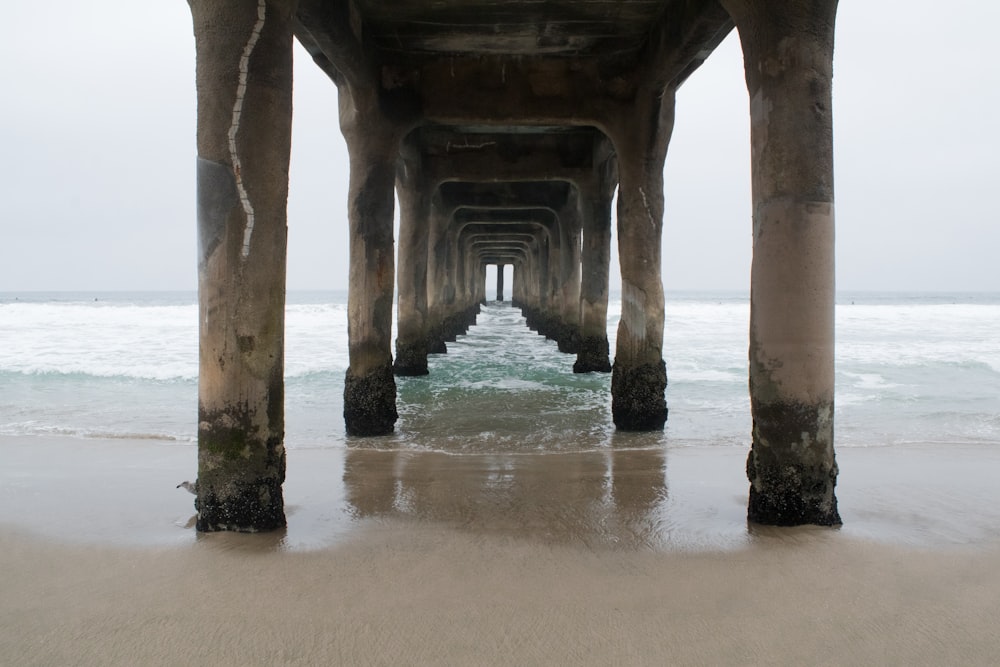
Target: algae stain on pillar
(373, 142)
(241, 456)
(788, 57)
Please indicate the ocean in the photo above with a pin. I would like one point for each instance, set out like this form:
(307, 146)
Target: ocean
(911, 368)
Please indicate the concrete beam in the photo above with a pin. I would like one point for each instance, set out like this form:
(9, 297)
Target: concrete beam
(328, 29)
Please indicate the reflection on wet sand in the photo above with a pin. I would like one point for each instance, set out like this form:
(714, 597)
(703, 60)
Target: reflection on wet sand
(611, 498)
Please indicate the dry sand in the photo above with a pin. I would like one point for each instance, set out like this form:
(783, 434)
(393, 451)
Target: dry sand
(396, 558)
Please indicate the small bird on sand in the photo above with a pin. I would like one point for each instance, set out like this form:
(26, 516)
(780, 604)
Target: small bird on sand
(193, 488)
(190, 486)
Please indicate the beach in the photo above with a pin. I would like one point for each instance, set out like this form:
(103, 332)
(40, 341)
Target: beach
(506, 522)
(631, 556)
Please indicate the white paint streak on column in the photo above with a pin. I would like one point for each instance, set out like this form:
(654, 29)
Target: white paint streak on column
(234, 127)
(634, 311)
(645, 205)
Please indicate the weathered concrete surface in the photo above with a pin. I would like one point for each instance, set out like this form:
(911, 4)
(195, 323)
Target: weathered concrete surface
(373, 143)
(411, 318)
(788, 53)
(596, 199)
(244, 83)
(639, 378)
(500, 270)
(504, 127)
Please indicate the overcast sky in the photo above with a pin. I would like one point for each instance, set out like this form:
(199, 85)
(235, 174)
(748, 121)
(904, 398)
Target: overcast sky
(98, 153)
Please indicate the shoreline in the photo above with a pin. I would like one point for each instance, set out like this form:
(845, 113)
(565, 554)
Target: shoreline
(417, 558)
(687, 499)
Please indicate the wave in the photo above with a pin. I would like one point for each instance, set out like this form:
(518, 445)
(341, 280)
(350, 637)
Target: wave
(905, 371)
(161, 375)
(34, 429)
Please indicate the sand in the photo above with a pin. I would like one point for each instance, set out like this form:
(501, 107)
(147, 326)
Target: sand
(420, 558)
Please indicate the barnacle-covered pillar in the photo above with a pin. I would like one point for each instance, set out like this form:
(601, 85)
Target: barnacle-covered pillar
(788, 55)
(567, 333)
(244, 83)
(373, 143)
(639, 376)
(593, 355)
(411, 314)
(440, 290)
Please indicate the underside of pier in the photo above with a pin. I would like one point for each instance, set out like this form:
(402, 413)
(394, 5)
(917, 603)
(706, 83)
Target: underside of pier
(505, 128)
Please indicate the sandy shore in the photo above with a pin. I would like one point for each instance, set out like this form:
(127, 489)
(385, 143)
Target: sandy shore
(629, 557)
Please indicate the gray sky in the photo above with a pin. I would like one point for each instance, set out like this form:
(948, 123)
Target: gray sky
(97, 128)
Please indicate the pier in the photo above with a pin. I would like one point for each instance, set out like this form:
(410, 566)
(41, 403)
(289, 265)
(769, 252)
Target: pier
(505, 128)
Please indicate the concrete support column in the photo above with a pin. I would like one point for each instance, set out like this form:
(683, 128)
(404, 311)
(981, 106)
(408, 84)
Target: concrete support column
(538, 304)
(244, 83)
(411, 317)
(500, 268)
(517, 281)
(568, 335)
(526, 275)
(479, 296)
(639, 376)
(440, 292)
(547, 316)
(788, 55)
(464, 289)
(465, 275)
(373, 144)
(593, 355)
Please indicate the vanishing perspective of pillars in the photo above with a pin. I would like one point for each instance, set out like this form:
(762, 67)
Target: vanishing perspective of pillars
(788, 55)
(411, 316)
(500, 268)
(639, 376)
(373, 145)
(593, 355)
(244, 84)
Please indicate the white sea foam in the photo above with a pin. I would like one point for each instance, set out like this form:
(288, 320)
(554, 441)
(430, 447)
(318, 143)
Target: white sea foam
(907, 371)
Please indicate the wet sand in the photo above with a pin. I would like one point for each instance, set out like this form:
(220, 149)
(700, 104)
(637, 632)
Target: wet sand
(609, 557)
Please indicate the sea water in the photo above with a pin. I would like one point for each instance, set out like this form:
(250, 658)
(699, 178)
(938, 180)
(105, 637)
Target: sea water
(911, 368)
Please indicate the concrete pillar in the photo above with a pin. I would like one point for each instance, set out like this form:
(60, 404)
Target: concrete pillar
(547, 315)
(639, 376)
(452, 285)
(439, 290)
(788, 55)
(540, 288)
(479, 296)
(373, 144)
(568, 334)
(244, 83)
(466, 275)
(411, 316)
(593, 355)
(517, 277)
(500, 268)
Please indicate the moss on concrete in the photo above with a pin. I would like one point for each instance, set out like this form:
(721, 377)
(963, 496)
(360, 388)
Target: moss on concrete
(593, 355)
(637, 397)
(370, 403)
(791, 467)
